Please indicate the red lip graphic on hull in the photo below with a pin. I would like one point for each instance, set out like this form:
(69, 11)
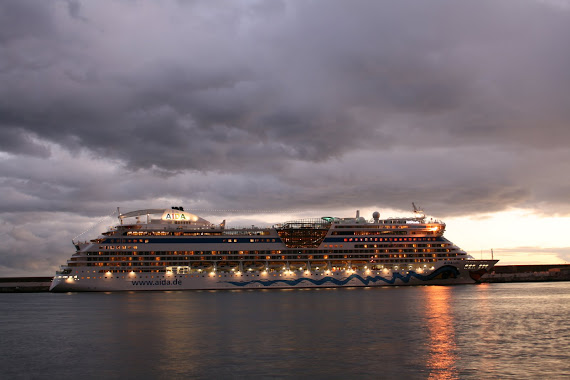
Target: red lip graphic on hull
(477, 274)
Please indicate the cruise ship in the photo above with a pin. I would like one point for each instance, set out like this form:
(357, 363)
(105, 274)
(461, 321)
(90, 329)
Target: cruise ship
(173, 249)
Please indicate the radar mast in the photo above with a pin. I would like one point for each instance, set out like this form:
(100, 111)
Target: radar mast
(418, 212)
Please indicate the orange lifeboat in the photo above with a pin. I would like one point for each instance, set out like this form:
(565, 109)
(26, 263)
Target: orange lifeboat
(338, 264)
(359, 264)
(276, 264)
(227, 266)
(204, 265)
(253, 266)
(295, 265)
(318, 265)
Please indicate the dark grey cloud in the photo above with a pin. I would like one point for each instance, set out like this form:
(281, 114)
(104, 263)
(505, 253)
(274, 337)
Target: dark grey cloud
(237, 83)
(461, 106)
(18, 141)
(25, 19)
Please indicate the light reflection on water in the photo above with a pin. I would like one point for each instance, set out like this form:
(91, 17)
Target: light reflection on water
(441, 326)
(432, 332)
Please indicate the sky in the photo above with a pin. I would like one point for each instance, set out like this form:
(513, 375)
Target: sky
(279, 110)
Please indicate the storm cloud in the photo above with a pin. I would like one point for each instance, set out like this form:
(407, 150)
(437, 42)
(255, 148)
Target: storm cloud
(280, 105)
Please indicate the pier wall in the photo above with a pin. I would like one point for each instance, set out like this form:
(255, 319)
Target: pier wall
(528, 273)
(24, 284)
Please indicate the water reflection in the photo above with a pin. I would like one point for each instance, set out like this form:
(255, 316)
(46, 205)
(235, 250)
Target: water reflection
(442, 359)
(485, 318)
(493, 331)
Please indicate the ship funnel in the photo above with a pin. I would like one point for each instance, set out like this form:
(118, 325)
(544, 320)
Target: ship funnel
(357, 214)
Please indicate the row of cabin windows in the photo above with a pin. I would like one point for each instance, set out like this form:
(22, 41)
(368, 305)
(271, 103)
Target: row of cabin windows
(395, 239)
(118, 247)
(273, 240)
(142, 266)
(361, 248)
(197, 233)
(383, 232)
(178, 259)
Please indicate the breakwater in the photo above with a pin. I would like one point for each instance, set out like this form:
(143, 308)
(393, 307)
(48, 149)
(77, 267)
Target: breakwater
(528, 273)
(24, 284)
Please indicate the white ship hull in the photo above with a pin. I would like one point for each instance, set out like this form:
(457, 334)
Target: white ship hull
(463, 272)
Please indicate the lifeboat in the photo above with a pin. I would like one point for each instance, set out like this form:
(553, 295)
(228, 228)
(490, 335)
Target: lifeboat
(275, 264)
(338, 264)
(227, 265)
(250, 265)
(359, 264)
(204, 265)
(319, 265)
(297, 265)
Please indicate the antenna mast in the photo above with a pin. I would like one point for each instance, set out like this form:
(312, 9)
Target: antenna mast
(418, 212)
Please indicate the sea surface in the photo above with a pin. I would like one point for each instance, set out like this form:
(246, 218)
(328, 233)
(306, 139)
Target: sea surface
(487, 331)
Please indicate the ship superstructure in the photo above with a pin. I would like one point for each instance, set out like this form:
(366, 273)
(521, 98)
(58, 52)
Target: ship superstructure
(172, 249)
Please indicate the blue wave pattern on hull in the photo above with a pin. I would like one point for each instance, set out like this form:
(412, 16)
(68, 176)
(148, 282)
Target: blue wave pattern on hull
(446, 271)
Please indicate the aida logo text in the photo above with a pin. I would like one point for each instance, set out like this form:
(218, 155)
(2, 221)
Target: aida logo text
(174, 216)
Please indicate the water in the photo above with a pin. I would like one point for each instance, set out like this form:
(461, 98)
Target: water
(429, 332)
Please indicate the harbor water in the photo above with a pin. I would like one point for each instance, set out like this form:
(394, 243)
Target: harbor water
(512, 330)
